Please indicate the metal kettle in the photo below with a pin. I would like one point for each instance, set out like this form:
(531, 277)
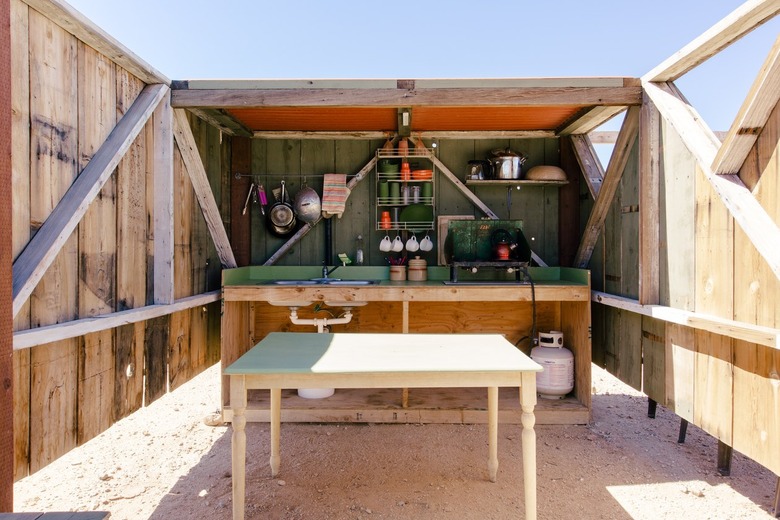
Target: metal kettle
(479, 171)
(502, 243)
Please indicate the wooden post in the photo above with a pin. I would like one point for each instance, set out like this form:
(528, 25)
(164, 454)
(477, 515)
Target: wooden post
(240, 230)
(568, 206)
(6, 334)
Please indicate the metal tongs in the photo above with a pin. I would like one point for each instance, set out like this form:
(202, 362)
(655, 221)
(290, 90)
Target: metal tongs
(248, 196)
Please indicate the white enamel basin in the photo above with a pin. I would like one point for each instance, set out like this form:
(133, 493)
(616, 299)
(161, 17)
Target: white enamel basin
(291, 303)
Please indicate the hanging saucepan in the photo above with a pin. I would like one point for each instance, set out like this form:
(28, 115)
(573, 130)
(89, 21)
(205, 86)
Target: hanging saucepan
(307, 205)
(281, 218)
(507, 165)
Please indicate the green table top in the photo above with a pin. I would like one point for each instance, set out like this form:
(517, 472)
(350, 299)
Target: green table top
(343, 353)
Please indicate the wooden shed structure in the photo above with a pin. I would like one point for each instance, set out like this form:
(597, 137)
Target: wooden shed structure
(124, 202)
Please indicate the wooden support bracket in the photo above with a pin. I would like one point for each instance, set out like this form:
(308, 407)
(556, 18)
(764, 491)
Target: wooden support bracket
(72, 329)
(200, 182)
(752, 116)
(612, 178)
(589, 162)
(759, 227)
(31, 264)
(733, 329)
(304, 230)
(463, 189)
(741, 21)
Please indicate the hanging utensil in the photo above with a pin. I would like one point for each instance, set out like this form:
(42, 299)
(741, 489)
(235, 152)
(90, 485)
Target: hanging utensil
(308, 206)
(248, 197)
(281, 221)
(262, 197)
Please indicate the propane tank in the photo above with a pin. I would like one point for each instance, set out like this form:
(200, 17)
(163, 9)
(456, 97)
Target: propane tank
(557, 378)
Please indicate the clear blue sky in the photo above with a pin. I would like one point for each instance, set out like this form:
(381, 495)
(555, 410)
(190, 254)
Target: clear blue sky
(192, 39)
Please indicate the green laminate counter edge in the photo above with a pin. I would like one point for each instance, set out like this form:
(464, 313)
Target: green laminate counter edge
(257, 275)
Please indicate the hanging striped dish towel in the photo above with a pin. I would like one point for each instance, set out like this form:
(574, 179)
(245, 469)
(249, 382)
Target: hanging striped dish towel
(334, 194)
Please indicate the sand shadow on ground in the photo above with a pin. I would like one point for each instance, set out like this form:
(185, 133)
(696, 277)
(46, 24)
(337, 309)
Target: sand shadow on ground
(412, 471)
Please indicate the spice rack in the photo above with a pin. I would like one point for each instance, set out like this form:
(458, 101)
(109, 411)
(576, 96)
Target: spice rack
(395, 191)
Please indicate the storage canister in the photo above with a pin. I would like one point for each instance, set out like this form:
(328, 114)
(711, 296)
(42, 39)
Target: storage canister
(557, 378)
(397, 273)
(418, 270)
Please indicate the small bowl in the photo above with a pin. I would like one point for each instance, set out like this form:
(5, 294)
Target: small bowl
(389, 166)
(422, 175)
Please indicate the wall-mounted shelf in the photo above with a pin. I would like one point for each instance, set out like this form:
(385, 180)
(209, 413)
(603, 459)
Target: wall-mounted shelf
(409, 212)
(512, 182)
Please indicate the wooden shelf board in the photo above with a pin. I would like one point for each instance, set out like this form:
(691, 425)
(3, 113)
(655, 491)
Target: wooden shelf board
(519, 182)
(426, 405)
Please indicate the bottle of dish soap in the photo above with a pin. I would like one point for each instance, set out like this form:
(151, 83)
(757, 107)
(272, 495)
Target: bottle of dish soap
(359, 250)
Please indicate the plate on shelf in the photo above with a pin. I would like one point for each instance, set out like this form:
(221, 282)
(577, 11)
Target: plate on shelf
(422, 175)
(416, 213)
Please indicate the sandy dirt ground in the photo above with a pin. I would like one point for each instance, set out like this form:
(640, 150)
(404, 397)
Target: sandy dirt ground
(165, 463)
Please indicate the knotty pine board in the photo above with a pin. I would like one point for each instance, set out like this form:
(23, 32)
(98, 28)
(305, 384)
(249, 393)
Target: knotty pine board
(54, 153)
(678, 254)
(714, 385)
(134, 214)
(714, 243)
(757, 368)
(97, 246)
(680, 370)
(179, 364)
(654, 359)
(756, 402)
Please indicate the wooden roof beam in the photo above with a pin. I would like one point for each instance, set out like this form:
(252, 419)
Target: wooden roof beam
(394, 97)
(741, 21)
(32, 262)
(617, 164)
(223, 120)
(200, 182)
(591, 119)
(752, 116)
(759, 227)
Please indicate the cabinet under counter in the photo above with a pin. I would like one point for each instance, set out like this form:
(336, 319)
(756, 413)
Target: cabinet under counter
(560, 298)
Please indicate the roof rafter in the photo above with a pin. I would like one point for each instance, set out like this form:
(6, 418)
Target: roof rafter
(200, 183)
(739, 22)
(759, 227)
(752, 116)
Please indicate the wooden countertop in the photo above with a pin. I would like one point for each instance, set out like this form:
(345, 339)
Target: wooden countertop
(551, 284)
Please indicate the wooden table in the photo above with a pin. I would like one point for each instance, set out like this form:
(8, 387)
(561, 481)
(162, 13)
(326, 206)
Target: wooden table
(306, 360)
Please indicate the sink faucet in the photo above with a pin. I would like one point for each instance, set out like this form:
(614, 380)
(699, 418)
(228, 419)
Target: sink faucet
(325, 272)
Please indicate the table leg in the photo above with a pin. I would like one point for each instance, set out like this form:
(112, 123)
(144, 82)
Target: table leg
(492, 432)
(238, 443)
(527, 403)
(276, 426)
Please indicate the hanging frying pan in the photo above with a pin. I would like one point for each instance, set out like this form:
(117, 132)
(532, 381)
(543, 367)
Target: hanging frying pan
(281, 217)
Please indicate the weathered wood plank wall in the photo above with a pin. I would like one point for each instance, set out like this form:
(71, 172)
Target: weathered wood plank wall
(305, 161)
(725, 386)
(66, 99)
(756, 431)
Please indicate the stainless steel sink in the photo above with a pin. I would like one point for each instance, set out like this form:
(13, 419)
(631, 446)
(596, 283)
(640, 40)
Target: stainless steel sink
(332, 281)
(351, 282)
(294, 282)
